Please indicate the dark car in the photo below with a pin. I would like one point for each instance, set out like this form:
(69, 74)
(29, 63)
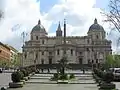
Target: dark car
(0, 70)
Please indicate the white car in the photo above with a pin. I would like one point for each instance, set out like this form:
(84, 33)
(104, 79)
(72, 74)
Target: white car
(116, 73)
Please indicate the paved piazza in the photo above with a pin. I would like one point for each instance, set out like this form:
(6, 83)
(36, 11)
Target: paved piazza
(5, 78)
(58, 87)
(41, 81)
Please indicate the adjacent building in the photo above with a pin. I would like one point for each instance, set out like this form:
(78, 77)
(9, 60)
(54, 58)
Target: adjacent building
(20, 59)
(43, 49)
(4, 54)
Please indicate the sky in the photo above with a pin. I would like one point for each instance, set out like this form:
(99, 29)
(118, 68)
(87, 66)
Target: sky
(23, 15)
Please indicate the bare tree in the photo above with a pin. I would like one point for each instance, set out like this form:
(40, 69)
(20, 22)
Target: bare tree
(113, 16)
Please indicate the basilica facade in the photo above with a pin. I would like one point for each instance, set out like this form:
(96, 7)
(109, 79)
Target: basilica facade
(43, 49)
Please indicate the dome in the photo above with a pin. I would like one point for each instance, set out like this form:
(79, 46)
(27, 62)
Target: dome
(39, 28)
(96, 26)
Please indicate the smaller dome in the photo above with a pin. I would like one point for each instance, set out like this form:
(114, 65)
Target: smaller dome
(39, 27)
(95, 26)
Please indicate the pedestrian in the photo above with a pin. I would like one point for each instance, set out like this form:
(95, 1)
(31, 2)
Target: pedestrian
(48, 70)
(42, 70)
(83, 71)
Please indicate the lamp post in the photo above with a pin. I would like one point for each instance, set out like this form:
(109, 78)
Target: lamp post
(23, 34)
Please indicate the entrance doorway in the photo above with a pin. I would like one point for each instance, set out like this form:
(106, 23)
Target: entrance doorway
(50, 60)
(80, 61)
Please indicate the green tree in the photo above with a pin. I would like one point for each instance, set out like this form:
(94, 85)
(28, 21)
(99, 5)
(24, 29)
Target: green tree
(117, 60)
(63, 63)
(112, 61)
(109, 61)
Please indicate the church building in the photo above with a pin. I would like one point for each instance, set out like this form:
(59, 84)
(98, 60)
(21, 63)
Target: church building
(44, 49)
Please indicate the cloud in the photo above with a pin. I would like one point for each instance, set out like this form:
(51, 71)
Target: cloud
(80, 15)
(23, 12)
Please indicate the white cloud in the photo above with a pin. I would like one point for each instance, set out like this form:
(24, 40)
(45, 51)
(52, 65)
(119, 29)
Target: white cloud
(23, 12)
(79, 14)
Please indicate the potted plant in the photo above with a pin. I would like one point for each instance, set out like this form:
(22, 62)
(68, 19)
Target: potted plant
(107, 78)
(72, 76)
(16, 78)
(25, 73)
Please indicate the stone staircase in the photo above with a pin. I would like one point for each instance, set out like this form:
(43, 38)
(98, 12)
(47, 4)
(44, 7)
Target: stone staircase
(45, 79)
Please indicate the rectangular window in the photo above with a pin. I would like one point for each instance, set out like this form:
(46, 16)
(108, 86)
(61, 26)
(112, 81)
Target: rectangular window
(58, 52)
(25, 55)
(31, 37)
(71, 52)
(50, 53)
(43, 42)
(50, 60)
(80, 61)
(36, 55)
(87, 49)
(42, 53)
(36, 37)
(42, 61)
(88, 41)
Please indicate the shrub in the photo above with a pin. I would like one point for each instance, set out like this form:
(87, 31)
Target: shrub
(17, 76)
(63, 77)
(72, 76)
(108, 77)
(24, 72)
(56, 76)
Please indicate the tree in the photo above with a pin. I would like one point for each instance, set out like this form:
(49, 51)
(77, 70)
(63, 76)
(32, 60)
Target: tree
(117, 60)
(109, 61)
(113, 16)
(63, 63)
(112, 61)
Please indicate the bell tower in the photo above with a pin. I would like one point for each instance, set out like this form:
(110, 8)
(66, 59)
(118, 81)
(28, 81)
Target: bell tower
(59, 31)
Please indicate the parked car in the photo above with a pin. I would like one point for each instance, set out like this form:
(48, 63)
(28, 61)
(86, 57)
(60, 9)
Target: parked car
(116, 73)
(1, 70)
